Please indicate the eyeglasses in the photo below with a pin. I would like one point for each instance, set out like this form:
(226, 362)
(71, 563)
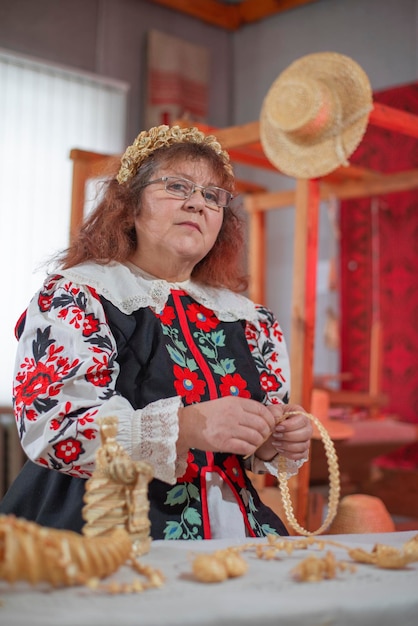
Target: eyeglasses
(215, 197)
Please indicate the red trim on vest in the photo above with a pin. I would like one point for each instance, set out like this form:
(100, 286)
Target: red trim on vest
(237, 497)
(184, 325)
(211, 467)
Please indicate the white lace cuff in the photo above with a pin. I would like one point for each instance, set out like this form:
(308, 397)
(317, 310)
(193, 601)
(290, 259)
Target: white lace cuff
(155, 432)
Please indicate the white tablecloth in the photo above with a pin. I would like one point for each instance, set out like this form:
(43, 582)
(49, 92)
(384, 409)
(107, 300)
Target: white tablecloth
(267, 594)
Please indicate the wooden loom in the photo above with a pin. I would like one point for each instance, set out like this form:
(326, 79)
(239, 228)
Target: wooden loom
(243, 144)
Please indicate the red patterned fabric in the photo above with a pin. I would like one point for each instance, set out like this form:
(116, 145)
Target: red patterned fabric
(395, 284)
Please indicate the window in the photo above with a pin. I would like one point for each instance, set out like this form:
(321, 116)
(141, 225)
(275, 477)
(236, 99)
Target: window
(45, 111)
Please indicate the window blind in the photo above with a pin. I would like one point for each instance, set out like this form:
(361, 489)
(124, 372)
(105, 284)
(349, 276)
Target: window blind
(45, 111)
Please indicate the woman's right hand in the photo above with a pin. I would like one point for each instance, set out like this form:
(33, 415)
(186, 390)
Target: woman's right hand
(228, 424)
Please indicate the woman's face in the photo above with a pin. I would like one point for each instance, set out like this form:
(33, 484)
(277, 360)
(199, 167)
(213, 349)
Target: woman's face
(174, 234)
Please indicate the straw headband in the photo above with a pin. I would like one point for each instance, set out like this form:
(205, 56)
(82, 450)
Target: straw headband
(148, 141)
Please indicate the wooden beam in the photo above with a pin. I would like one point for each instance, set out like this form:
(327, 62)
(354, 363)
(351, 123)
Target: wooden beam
(245, 186)
(343, 397)
(269, 200)
(379, 185)
(251, 156)
(352, 172)
(351, 188)
(237, 136)
(394, 119)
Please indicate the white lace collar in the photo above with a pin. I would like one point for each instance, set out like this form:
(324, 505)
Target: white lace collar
(129, 289)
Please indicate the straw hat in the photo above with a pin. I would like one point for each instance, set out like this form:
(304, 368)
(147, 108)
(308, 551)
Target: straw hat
(360, 513)
(315, 114)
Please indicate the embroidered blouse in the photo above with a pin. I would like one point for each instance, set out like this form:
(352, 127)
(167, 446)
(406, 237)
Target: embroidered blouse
(68, 367)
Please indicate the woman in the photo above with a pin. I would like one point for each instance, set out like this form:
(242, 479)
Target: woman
(144, 321)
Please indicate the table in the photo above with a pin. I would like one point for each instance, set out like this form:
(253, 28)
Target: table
(267, 594)
(371, 438)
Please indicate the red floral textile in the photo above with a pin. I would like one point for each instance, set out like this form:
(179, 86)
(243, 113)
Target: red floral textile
(394, 285)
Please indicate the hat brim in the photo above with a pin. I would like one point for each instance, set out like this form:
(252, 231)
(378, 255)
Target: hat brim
(310, 159)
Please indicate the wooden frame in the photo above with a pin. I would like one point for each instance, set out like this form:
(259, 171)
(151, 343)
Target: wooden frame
(243, 145)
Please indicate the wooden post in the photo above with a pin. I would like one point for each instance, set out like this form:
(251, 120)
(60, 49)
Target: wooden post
(256, 256)
(305, 256)
(81, 172)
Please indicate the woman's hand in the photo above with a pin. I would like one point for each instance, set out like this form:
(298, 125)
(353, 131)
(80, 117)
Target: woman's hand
(229, 424)
(290, 437)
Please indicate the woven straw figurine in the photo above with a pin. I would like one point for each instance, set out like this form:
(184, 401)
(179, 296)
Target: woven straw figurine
(116, 494)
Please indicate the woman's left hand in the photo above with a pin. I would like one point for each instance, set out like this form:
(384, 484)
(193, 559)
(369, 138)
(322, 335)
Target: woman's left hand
(290, 437)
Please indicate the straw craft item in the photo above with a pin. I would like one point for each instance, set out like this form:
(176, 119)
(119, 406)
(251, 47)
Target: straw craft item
(116, 494)
(37, 554)
(361, 513)
(334, 480)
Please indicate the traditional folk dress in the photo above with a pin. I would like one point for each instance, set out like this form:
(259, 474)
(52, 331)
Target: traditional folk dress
(101, 340)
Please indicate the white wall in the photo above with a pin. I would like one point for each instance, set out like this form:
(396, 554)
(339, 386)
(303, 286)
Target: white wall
(382, 36)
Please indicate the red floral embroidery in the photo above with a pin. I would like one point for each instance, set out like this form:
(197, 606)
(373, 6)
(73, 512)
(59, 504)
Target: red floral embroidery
(234, 385)
(99, 374)
(265, 328)
(167, 315)
(38, 380)
(188, 385)
(44, 301)
(277, 332)
(203, 318)
(191, 471)
(250, 334)
(77, 316)
(269, 382)
(90, 325)
(234, 471)
(68, 450)
(86, 419)
(94, 293)
(278, 373)
(89, 433)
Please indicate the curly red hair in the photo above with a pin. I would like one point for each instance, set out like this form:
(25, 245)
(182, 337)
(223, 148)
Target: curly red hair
(108, 233)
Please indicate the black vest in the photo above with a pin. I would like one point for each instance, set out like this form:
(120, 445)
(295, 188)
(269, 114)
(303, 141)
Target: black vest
(184, 350)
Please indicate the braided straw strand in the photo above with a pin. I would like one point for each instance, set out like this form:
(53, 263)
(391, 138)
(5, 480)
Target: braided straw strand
(334, 480)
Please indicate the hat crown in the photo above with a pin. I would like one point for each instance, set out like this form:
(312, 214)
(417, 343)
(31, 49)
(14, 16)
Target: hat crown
(304, 108)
